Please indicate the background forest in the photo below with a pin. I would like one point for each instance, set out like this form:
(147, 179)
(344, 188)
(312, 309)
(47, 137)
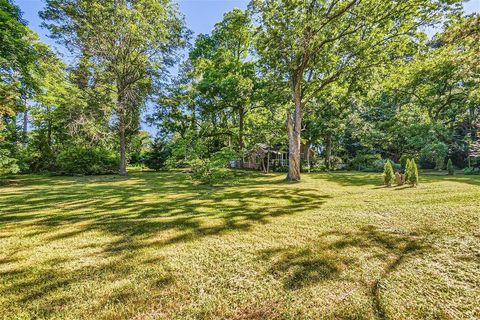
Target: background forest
(357, 81)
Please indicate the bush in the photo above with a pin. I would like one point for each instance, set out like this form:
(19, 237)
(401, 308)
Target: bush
(88, 161)
(412, 173)
(450, 169)
(7, 165)
(158, 154)
(434, 153)
(388, 174)
(471, 171)
(408, 170)
(213, 170)
(363, 162)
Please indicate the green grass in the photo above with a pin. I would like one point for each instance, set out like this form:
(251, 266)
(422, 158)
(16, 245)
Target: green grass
(159, 246)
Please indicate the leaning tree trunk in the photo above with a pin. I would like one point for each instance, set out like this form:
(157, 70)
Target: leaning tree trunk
(294, 127)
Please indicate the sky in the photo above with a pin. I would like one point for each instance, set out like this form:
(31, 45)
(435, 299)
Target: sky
(200, 16)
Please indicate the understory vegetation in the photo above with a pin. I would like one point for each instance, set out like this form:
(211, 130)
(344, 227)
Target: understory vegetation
(371, 81)
(160, 246)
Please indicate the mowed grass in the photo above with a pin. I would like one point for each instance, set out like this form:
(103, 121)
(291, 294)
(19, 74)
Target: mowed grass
(160, 246)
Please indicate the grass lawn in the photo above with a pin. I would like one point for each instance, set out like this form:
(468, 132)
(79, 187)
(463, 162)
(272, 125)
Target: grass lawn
(159, 246)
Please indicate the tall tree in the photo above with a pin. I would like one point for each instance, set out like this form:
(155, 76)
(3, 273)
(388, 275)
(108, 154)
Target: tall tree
(315, 43)
(132, 41)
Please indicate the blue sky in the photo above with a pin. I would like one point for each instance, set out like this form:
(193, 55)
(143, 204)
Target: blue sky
(200, 15)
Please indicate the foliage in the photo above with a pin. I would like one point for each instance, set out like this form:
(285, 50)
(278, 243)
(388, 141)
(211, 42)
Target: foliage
(471, 171)
(132, 42)
(8, 165)
(213, 170)
(434, 152)
(450, 169)
(408, 170)
(158, 154)
(412, 173)
(363, 161)
(87, 161)
(388, 174)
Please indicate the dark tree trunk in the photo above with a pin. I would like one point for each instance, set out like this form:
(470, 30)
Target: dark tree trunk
(268, 161)
(241, 125)
(328, 151)
(294, 125)
(123, 152)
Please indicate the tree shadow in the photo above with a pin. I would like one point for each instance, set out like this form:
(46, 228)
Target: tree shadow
(330, 257)
(142, 211)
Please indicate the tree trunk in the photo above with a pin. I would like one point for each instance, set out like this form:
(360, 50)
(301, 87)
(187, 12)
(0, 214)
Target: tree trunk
(123, 153)
(241, 125)
(49, 129)
(294, 127)
(307, 156)
(268, 161)
(328, 151)
(25, 127)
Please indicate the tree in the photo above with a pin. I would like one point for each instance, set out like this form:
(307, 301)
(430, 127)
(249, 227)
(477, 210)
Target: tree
(413, 177)
(450, 168)
(313, 44)
(228, 82)
(18, 55)
(408, 170)
(132, 41)
(388, 174)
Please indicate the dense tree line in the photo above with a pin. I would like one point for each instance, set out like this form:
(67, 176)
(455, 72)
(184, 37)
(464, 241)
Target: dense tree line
(360, 80)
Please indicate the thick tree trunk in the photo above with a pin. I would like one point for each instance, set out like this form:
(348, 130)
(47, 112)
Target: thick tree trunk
(328, 151)
(123, 151)
(294, 127)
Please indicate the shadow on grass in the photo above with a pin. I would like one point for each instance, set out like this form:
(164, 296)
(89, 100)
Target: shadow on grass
(353, 178)
(141, 211)
(330, 258)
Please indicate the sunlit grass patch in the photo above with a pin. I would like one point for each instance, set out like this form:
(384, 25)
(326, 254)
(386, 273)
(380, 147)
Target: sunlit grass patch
(160, 246)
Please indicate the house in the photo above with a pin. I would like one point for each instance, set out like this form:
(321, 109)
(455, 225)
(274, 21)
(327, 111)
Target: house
(264, 157)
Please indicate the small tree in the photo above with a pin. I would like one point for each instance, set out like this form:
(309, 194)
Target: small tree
(450, 169)
(388, 174)
(407, 170)
(413, 173)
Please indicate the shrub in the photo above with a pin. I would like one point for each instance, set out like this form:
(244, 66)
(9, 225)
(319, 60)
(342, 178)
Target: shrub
(413, 173)
(388, 175)
(88, 161)
(158, 154)
(471, 171)
(434, 153)
(408, 170)
(214, 169)
(450, 168)
(7, 165)
(364, 161)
